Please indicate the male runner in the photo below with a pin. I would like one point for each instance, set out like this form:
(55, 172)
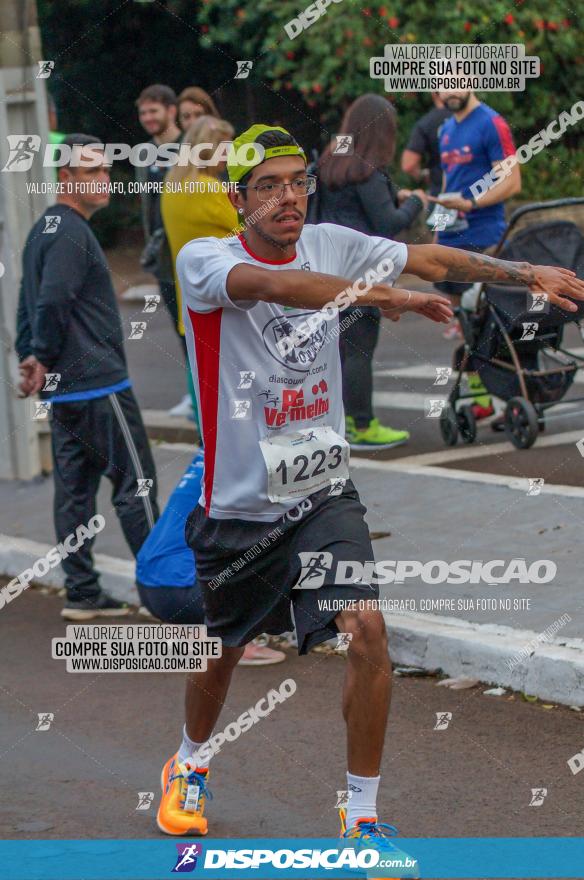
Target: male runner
(243, 298)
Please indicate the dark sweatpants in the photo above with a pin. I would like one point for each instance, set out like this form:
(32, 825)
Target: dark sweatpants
(91, 439)
(358, 343)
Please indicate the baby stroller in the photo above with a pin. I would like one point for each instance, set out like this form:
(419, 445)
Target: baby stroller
(514, 339)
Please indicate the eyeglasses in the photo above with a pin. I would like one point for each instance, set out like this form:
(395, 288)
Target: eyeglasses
(302, 186)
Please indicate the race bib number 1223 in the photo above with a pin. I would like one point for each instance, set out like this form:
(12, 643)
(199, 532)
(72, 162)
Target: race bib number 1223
(303, 462)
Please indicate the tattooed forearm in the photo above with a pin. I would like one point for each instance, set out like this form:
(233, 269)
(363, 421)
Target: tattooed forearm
(467, 266)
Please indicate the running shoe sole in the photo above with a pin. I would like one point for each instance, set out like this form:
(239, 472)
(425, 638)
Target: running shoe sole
(362, 446)
(261, 662)
(190, 832)
(86, 614)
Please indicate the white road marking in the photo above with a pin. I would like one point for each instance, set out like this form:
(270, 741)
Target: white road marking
(420, 371)
(427, 465)
(411, 400)
(426, 371)
(463, 452)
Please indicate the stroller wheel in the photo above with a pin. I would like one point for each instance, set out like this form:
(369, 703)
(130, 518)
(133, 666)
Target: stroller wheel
(449, 425)
(521, 422)
(467, 424)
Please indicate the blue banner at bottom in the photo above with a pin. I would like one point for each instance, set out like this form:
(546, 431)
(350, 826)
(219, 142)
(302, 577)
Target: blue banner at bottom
(305, 858)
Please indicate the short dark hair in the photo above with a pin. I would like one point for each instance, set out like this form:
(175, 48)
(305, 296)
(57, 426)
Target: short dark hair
(158, 94)
(78, 140)
(269, 139)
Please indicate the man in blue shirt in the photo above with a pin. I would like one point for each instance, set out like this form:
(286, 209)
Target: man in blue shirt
(473, 141)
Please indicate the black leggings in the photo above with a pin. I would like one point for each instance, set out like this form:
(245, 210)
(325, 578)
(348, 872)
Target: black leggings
(358, 342)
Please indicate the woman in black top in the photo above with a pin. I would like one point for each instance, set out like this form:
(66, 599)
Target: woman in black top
(354, 190)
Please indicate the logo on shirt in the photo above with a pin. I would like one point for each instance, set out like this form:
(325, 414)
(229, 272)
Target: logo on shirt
(300, 357)
(451, 158)
(296, 408)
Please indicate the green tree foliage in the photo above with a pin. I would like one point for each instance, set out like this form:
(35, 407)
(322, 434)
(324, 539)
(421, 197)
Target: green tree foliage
(328, 64)
(107, 52)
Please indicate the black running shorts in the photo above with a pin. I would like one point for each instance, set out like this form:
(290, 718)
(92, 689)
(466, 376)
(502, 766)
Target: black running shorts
(247, 571)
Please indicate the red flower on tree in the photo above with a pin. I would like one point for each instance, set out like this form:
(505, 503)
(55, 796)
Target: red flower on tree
(540, 24)
(509, 19)
(467, 26)
(383, 12)
(393, 22)
(290, 55)
(552, 26)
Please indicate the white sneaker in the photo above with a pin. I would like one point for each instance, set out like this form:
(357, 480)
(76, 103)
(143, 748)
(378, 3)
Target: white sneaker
(184, 408)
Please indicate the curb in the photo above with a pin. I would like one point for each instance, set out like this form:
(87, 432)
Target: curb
(159, 427)
(554, 670)
(116, 575)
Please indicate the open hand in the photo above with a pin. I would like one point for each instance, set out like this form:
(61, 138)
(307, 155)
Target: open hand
(558, 284)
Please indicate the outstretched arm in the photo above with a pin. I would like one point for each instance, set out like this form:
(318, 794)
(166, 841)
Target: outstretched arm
(433, 262)
(314, 290)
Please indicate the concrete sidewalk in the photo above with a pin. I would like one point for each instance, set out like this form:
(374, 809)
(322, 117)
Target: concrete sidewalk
(412, 517)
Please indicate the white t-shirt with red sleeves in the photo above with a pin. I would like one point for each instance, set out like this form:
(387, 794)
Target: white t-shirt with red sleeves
(270, 402)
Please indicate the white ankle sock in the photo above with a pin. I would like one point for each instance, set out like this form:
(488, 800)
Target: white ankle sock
(188, 748)
(363, 798)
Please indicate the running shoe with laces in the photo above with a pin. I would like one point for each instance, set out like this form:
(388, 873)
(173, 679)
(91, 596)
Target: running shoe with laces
(375, 436)
(182, 409)
(184, 792)
(102, 605)
(371, 834)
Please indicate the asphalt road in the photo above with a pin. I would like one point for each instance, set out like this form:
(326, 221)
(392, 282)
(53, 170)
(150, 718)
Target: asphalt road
(111, 734)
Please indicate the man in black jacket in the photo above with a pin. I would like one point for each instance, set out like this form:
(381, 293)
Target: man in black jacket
(70, 344)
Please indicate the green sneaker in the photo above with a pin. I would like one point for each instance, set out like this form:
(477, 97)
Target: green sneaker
(376, 436)
(480, 394)
(350, 428)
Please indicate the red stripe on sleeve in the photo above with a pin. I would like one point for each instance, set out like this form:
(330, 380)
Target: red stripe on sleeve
(505, 136)
(207, 334)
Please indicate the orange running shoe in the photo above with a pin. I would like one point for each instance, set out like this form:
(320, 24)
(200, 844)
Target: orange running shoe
(184, 792)
(371, 834)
